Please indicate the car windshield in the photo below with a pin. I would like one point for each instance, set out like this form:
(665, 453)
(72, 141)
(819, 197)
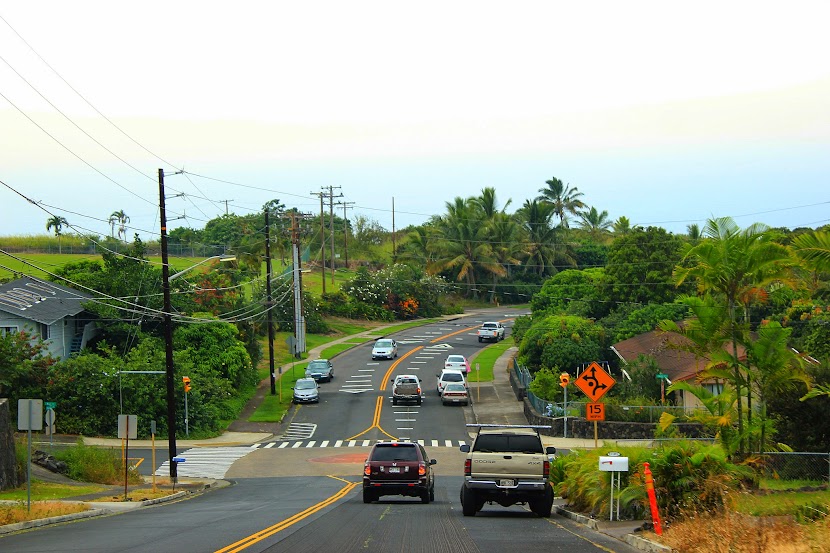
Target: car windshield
(407, 381)
(394, 453)
(455, 388)
(452, 377)
(305, 385)
(383, 344)
(455, 359)
(318, 365)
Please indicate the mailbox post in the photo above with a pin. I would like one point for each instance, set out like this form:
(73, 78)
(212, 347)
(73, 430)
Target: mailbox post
(616, 465)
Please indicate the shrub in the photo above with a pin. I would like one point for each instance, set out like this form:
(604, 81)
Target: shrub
(96, 464)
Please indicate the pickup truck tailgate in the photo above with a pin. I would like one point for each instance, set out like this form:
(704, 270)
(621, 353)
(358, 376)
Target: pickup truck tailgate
(507, 465)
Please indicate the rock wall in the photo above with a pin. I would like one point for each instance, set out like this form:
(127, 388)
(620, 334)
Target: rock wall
(8, 461)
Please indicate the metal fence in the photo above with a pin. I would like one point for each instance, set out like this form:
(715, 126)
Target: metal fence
(809, 467)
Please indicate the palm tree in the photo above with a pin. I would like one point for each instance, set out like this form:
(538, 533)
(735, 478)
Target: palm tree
(564, 199)
(693, 232)
(732, 262)
(57, 223)
(120, 218)
(504, 234)
(593, 222)
(545, 246)
(488, 203)
(622, 226)
(813, 252)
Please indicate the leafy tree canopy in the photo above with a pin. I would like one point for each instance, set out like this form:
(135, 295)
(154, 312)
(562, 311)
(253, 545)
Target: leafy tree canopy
(565, 342)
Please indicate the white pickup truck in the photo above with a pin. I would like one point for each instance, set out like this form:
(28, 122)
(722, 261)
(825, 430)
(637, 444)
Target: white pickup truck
(507, 464)
(491, 331)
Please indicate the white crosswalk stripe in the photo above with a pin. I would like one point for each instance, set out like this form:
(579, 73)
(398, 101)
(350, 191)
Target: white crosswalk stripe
(207, 462)
(350, 443)
(299, 431)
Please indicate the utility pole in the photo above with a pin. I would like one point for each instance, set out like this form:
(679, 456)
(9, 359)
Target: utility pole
(322, 239)
(394, 244)
(299, 320)
(345, 232)
(226, 205)
(168, 336)
(331, 228)
(269, 303)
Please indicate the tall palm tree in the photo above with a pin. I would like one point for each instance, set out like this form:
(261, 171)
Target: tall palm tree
(488, 203)
(622, 226)
(57, 223)
(593, 222)
(564, 199)
(545, 245)
(504, 234)
(731, 262)
(693, 232)
(813, 252)
(121, 219)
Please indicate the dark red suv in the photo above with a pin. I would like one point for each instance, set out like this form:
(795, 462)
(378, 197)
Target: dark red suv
(398, 468)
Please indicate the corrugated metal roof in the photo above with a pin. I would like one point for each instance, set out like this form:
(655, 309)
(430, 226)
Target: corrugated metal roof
(39, 300)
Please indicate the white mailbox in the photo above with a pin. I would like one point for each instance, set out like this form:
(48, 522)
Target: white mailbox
(613, 464)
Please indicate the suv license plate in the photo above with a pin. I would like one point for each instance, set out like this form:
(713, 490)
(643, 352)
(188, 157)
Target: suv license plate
(507, 483)
(394, 469)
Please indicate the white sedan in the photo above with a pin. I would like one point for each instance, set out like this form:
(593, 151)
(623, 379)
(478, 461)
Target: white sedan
(457, 362)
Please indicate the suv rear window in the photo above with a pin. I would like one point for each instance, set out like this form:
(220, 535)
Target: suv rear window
(452, 377)
(394, 453)
(508, 442)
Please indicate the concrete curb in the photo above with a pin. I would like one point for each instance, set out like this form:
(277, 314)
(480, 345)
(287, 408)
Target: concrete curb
(633, 540)
(9, 528)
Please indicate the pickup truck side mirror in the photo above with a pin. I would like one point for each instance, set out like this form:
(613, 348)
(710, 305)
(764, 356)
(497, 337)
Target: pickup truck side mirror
(465, 448)
(550, 450)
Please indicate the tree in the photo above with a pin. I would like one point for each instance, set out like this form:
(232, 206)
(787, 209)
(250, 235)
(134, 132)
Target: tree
(640, 266)
(622, 226)
(561, 342)
(57, 223)
(733, 263)
(545, 246)
(594, 223)
(563, 198)
(121, 219)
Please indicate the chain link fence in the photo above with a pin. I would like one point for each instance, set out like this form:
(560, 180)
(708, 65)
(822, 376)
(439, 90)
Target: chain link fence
(793, 465)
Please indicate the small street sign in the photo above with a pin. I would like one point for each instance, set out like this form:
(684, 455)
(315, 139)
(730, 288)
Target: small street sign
(595, 411)
(663, 376)
(595, 382)
(178, 459)
(50, 405)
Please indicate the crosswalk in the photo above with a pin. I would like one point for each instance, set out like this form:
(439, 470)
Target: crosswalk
(214, 462)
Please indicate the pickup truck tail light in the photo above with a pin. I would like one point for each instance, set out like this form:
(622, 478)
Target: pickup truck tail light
(468, 467)
(546, 469)
(419, 391)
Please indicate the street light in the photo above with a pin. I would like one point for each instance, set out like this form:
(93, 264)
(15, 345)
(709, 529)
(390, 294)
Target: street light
(221, 258)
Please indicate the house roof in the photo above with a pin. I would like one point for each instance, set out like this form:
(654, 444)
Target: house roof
(663, 346)
(39, 300)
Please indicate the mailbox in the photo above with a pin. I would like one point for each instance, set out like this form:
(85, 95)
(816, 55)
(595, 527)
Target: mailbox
(613, 464)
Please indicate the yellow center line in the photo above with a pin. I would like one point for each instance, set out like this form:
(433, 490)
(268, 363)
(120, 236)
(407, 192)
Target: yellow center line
(450, 335)
(394, 365)
(290, 521)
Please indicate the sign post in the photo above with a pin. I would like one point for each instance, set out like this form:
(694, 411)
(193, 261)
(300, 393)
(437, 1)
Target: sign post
(662, 377)
(595, 383)
(29, 417)
(127, 428)
(478, 383)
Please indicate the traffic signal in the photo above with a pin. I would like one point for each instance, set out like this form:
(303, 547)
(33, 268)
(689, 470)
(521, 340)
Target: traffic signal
(564, 380)
(186, 381)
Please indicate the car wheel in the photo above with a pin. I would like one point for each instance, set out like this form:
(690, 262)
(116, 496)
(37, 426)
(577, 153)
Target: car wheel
(432, 493)
(368, 496)
(544, 504)
(468, 502)
(425, 496)
(394, 401)
(479, 339)
(419, 401)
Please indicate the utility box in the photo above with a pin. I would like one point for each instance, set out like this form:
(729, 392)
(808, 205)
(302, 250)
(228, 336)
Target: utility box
(613, 464)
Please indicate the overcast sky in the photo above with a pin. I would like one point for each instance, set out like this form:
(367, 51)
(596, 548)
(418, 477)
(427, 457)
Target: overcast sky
(667, 113)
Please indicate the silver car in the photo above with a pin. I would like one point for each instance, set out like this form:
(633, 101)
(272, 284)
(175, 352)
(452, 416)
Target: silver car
(320, 370)
(306, 390)
(385, 349)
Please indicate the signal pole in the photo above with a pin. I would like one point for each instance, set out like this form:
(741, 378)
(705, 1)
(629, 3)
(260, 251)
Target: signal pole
(269, 303)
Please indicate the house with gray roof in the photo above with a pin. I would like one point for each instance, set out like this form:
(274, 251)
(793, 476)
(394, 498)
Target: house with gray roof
(53, 312)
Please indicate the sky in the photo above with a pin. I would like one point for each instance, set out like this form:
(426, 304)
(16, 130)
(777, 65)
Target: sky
(666, 113)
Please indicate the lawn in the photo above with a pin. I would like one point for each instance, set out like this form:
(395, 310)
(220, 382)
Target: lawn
(486, 360)
(45, 491)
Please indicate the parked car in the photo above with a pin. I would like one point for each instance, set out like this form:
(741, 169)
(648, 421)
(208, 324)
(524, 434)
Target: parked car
(450, 375)
(385, 349)
(457, 362)
(320, 370)
(455, 393)
(398, 468)
(406, 387)
(306, 391)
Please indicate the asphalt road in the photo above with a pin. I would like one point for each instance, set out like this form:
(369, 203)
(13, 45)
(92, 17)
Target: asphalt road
(308, 498)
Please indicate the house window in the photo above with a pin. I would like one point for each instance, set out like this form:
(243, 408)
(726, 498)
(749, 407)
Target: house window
(6, 330)
(44, 331)
(714, 388)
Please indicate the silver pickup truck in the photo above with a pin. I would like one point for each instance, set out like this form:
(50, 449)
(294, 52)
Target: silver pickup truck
(507, 465)
(491, 331)
(406, 387)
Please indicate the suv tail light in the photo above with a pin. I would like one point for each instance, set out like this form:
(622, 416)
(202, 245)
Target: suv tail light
(546, 469)
(468, 467)
(422, 469)
(367, 470)
(419, 390)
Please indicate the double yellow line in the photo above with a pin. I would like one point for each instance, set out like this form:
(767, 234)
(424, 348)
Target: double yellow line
(379, 401)
(280, 526)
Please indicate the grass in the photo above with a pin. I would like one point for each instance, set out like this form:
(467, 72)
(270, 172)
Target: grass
(778, 484)
(47, 491)
(19, 512)
(486, 361)
(782, 503)
(403, 326)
